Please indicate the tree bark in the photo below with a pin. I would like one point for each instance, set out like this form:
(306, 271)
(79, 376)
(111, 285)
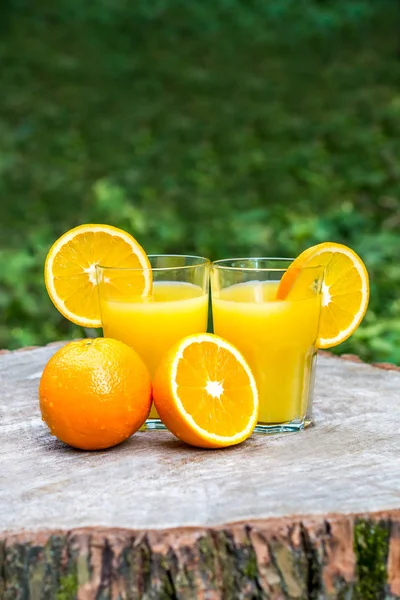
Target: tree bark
(334, 557)
(114, 525)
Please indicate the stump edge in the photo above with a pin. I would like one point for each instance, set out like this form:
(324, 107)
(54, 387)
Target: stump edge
(349, 357)
(329, 556)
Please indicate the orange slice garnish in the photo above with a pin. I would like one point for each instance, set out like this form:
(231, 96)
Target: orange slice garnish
(345, 289)
(70, 270)
(205, 393)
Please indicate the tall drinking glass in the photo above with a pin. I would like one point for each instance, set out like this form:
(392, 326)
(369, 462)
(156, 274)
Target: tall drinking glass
(176, 307)
(277, 337)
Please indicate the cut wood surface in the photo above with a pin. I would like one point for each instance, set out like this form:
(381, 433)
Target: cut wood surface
(304, 515)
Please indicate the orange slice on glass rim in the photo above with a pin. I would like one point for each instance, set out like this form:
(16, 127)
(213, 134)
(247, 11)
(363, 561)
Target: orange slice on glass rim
(345, 289)
(205, 393)
(70, 270)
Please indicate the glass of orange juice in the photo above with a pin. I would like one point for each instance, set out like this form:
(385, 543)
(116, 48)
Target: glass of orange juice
(277, 337)
(176, 307)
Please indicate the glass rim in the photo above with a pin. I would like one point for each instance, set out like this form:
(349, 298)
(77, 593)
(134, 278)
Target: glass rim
(202, 261)
(217, 264)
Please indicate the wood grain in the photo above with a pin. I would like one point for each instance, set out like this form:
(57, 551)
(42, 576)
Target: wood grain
(307, 515)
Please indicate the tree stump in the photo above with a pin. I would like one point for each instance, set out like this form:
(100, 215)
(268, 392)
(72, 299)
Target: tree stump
(310, 515)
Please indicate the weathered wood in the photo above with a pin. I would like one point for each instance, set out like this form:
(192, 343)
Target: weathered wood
(153, 518)
(336, 557)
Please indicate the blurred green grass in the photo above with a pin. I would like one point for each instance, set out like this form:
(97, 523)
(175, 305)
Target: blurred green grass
(221, 128)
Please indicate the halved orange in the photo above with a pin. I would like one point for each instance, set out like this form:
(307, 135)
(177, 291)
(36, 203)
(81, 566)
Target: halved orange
(205, 393)
(70, 269)
(345, 289)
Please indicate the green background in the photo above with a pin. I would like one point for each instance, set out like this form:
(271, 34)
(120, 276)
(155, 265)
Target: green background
(215, 127)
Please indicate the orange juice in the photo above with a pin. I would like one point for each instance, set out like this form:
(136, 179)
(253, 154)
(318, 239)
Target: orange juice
(277, 337)
(152, 325)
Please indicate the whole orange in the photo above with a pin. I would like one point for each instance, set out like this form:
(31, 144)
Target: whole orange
(95, 393)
